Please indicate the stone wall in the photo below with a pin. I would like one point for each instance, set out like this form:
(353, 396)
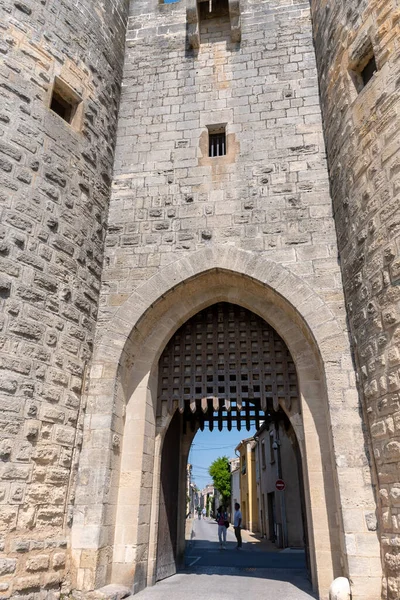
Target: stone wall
(269, 193)
(362, 130)
(54, 181)
(171, 203)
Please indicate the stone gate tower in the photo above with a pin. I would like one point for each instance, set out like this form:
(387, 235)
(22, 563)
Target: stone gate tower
(218, 191)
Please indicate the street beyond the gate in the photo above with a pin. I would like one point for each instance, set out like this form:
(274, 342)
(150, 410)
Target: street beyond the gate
(258, 570)
(203, 551)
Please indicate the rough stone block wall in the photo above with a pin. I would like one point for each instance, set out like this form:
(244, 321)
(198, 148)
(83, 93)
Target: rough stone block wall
(362, 130)
(269, 193)
(54, 192)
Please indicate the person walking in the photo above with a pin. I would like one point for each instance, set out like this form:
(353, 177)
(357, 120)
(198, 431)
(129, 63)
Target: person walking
(204, 512)
(222, 520)
(237, 521)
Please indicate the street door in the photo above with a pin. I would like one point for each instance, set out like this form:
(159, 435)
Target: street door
(272, 525)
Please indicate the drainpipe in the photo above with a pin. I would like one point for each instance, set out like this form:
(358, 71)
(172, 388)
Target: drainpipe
(282, 493)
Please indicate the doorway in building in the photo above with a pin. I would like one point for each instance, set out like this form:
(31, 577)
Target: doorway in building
(272, 525)
(226, 369)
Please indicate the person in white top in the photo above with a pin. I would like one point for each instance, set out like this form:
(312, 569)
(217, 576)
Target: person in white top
(237, 521)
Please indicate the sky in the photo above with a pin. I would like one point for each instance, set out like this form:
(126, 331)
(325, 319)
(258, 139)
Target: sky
(209, 445)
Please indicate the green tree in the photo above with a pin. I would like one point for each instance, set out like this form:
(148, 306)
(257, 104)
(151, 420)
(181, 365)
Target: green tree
(221, 475)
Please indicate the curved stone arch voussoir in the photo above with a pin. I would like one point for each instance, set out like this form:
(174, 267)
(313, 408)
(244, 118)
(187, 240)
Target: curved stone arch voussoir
(311, 309)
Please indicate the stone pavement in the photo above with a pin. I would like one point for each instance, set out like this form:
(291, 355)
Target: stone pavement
(230, 585)
(257, 571)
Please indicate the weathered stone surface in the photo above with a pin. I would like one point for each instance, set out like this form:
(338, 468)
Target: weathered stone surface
(31, 582)
(40, 562)
(171, 202)
(7, 565)
(50, 240)
(362, 134)
(269, 195)
(109, 592)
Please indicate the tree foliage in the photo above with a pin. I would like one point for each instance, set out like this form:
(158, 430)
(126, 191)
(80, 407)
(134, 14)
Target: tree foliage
(220, 472)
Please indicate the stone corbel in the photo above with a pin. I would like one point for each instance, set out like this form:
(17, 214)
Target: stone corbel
(234, 15)
(192, 16)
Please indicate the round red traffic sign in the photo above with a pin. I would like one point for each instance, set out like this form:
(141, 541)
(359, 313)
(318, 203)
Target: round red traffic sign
(280, 485)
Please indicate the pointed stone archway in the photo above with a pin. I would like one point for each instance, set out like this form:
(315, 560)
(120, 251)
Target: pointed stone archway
(115, 525)
(224, 368)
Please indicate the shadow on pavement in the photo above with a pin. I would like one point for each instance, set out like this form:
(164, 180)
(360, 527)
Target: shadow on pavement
(257, 559)
(250, 555)
(296, 577)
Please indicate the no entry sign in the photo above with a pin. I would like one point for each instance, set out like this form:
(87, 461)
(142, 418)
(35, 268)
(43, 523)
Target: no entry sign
(280, 485)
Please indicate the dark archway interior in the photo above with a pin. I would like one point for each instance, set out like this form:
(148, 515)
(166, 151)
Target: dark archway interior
(225, 367)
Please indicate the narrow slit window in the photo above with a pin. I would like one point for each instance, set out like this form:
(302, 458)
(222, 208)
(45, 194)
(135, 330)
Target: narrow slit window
(271, 449)
(217, 144)
(263, 455)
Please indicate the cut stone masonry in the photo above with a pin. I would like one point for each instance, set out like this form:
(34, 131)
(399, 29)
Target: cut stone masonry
(54, 188)
(120, 219)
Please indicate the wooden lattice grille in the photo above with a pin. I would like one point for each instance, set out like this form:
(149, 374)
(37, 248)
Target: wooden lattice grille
(226, 365)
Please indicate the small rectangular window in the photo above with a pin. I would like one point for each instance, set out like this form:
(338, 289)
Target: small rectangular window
(216, 141)
(65, 101)
(217, 144)
(213, 9)
(61, 107)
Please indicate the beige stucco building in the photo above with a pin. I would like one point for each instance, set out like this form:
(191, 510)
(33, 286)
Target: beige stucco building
(235, 484)
(208, 499)
(248, 485)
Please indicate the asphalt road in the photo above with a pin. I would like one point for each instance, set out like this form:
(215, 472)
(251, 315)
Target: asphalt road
(204, 551)
(247, 574)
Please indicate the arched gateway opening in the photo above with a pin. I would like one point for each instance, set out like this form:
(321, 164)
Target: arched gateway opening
(115, 536)
(227, 368)
(145, 424)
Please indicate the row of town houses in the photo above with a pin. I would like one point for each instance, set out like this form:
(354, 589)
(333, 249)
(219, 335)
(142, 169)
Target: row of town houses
(266, 481)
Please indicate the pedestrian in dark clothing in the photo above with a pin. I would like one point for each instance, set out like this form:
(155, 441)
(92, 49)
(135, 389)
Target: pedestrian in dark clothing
(237, 521)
